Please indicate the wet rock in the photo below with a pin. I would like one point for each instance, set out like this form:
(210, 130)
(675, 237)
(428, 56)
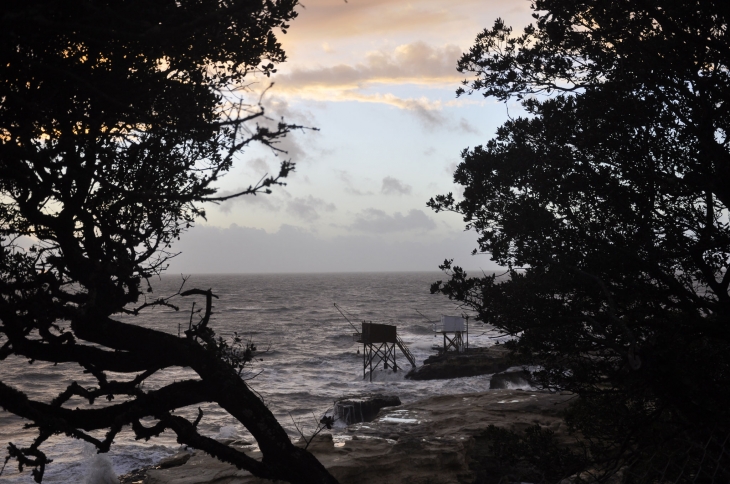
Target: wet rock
(135, 477)
(430, 445)
(319, 443)
(350, 410)
(173, 461)
(511, 379)
(476, 361)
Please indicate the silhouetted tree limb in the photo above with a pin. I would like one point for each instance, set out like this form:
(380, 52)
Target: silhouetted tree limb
(608, 204)
(116, 122)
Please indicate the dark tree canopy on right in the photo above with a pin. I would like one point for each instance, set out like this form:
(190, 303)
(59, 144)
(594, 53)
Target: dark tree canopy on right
(608, 202)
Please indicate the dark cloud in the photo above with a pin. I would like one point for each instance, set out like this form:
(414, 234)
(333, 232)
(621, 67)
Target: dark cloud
(349, 185)
(355, 191)
(308, 208)
(467, 127)
(258, 166)
(393, 186)
(451, 168)
(261, 201)
(292, 146)
(430, 118)
(376, 221)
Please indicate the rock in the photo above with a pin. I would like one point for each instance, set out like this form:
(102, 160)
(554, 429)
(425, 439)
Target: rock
(200, 469)
(510, 379)
(416, 461)
(427, 441)
(135, 477)
(589, 477)
(477, 361)
(352, 411)
(320, 443)
(173, 461)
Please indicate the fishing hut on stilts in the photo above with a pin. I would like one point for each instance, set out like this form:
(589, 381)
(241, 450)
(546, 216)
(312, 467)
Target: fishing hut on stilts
(455, 331)
(379, 343)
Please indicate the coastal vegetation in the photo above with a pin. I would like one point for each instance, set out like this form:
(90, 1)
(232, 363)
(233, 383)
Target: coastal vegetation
(607, 201)
(116, 120)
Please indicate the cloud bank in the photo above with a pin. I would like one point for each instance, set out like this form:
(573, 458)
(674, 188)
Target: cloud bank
(414, 63)
(237, 249)
(374, 221)
(339, 20)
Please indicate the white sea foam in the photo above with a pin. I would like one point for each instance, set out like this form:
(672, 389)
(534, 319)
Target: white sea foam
(99, 468)
(519, 386)
(399, 420)
(228, 432)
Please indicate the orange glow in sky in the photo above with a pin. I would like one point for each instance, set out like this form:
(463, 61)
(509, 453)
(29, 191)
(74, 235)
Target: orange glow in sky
(377, 77)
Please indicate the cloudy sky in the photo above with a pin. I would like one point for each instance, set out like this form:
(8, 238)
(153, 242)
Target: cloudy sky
(377, 78)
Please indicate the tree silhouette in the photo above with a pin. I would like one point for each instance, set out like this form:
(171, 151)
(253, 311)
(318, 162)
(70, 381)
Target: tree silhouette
(608, 202)
(116, 120)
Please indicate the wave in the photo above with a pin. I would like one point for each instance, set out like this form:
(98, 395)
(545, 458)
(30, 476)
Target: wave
(422, 328)
(312, 358)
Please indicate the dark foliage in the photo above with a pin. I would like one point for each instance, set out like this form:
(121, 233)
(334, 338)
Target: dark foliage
(609, 204)
(501, 456)
(116, 119)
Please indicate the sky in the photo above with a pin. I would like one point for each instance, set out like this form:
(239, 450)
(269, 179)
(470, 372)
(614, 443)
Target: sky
(377, 78)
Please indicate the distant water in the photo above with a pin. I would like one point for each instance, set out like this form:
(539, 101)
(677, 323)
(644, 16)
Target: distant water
(310, 362)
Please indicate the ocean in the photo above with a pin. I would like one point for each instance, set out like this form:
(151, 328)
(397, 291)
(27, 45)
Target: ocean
(309, 358)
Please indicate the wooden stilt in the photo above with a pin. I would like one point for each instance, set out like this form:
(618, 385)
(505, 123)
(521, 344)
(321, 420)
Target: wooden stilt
(379, 343)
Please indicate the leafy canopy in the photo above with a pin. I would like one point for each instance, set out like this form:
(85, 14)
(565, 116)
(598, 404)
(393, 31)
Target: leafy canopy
(608, 202)
(116, 120)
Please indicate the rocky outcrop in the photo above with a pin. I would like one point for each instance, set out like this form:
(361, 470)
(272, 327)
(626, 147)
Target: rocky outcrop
(419, 443)
(354, 410)
(174, 460)
(477, 361)
(137, 476)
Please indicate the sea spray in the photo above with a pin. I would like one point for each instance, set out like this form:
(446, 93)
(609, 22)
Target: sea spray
(99, 469)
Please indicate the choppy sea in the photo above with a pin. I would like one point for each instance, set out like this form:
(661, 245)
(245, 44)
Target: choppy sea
(309, 359)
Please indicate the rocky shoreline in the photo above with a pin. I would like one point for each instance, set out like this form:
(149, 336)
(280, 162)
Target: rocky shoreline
(422, 442)
(428, 441)
(476, 361)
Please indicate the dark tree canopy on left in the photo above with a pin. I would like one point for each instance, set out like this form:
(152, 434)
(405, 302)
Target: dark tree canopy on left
(116, 119)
